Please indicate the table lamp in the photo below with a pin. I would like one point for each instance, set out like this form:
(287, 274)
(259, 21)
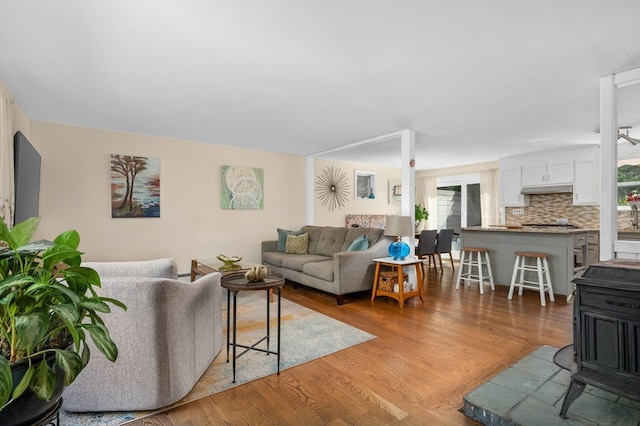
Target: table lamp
(398, 226)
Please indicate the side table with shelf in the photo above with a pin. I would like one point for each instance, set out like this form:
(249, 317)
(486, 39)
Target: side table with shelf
(398, 266)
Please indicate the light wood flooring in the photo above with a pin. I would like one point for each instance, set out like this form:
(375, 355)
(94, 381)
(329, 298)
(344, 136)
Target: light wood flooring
(426, 357)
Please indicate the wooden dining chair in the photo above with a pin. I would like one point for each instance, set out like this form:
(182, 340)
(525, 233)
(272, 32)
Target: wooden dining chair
(443, 245)
(427, 247)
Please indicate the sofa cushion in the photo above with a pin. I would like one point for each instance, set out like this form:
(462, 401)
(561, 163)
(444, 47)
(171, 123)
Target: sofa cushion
(372, 234)
(274, 257)
(297, 262)
(322, 270)
(331, 241)
(360, 243)
(314, 236)
(282, 238)
(297, 244)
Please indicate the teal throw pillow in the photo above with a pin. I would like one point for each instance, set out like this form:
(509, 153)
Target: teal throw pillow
(360, 243)
(282, 238)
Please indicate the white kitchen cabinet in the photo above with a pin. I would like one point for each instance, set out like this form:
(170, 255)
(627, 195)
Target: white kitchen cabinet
(549, 173)
(586, 181)
(510, 186)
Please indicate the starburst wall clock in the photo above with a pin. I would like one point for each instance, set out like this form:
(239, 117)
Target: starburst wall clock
(332, 188)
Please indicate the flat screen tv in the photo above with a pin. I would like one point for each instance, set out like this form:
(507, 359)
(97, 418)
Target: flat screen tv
(27, 178)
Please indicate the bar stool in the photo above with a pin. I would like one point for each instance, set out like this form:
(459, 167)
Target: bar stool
(541, 267)
(467, 263)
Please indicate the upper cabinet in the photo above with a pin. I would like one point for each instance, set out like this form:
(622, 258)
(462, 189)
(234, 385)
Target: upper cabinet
(586, 185)
(579, 167)
(550, 173)
(510, 186)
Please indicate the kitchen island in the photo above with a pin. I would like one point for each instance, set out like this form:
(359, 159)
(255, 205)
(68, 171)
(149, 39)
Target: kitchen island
(568, 250)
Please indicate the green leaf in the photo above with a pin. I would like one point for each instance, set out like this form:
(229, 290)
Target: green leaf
(61, 254)
(71, 363)
(6, 379)
(68, 313)
(95, 304)
(44, 382)
(21, 233)
(115, 302)
(103, 342)
(70, 238)
(31, 328)
(24, 383)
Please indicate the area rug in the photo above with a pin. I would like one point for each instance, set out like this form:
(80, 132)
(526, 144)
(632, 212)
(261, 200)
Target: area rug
(306, 335)
(531, 392)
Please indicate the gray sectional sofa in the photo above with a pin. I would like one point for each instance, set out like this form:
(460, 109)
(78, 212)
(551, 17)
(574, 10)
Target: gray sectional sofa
(327, 264)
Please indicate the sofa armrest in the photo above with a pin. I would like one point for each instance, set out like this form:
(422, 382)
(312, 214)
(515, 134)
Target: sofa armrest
(353, 270)
(271, 245)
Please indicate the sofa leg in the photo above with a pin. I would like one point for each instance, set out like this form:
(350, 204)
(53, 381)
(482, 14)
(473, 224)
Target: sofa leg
(296, 286)
(340, 299)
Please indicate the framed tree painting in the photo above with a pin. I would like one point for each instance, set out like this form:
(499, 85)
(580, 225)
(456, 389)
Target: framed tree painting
(135, 186)
(242, 188)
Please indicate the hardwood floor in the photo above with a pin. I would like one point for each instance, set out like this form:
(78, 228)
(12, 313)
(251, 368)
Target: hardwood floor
(425, 358)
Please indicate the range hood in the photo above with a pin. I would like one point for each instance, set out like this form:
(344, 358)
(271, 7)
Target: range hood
(547, 189)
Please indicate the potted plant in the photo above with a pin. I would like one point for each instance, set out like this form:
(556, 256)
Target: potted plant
(421, 215)
(48, 309)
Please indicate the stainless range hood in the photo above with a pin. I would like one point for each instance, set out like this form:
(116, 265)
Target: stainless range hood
(547, 189)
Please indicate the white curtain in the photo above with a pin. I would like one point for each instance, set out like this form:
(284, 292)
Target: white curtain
(489, 197)
(426, 195)
(7, 196)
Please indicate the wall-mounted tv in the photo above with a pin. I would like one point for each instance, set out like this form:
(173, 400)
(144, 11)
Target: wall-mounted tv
(27, 178)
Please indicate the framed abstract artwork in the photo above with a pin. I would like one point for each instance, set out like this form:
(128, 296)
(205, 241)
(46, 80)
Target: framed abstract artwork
(242, 188)
(135, 186)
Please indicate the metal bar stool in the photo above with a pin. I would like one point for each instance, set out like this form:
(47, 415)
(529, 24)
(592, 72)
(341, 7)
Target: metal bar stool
(467, 263)
(541, 267)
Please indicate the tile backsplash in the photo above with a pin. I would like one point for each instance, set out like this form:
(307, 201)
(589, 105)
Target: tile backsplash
(546, 208)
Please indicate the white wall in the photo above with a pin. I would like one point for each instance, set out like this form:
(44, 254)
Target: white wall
(75, 193)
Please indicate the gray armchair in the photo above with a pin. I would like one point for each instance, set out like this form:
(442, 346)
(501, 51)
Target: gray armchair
(166, 339)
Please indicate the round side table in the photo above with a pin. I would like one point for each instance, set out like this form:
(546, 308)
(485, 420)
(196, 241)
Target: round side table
(235, 282)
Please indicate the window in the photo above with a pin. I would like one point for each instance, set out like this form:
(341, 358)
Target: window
(628, 180)
(458, 204)
(628, 171)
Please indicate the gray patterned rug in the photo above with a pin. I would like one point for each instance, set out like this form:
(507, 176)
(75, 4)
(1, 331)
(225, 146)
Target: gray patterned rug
(306, 335)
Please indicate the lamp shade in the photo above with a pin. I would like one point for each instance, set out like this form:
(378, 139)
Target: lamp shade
(398, 226)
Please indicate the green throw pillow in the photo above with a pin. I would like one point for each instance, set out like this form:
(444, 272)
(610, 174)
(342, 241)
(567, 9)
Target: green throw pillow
(282, 238)
(297, 244)
(360, 243)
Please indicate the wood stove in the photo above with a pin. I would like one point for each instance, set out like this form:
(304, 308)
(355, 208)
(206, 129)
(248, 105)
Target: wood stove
(606, 334)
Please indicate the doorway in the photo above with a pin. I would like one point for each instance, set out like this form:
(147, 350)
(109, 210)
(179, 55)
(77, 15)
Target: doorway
(458, 201)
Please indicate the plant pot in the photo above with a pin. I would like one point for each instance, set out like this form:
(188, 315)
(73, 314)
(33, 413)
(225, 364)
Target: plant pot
(419, 226)
(28, 409)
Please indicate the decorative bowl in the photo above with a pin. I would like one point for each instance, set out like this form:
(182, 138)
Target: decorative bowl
(229, 262)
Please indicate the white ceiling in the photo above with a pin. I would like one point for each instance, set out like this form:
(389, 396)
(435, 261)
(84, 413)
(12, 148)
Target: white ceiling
(476, 80)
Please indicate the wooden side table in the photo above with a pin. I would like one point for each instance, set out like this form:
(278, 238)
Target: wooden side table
(235, 282)
(401, 295)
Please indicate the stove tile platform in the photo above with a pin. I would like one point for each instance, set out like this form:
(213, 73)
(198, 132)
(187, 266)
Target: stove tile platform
(530, 393)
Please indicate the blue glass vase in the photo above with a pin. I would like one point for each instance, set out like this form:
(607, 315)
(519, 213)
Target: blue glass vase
(399, 250)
